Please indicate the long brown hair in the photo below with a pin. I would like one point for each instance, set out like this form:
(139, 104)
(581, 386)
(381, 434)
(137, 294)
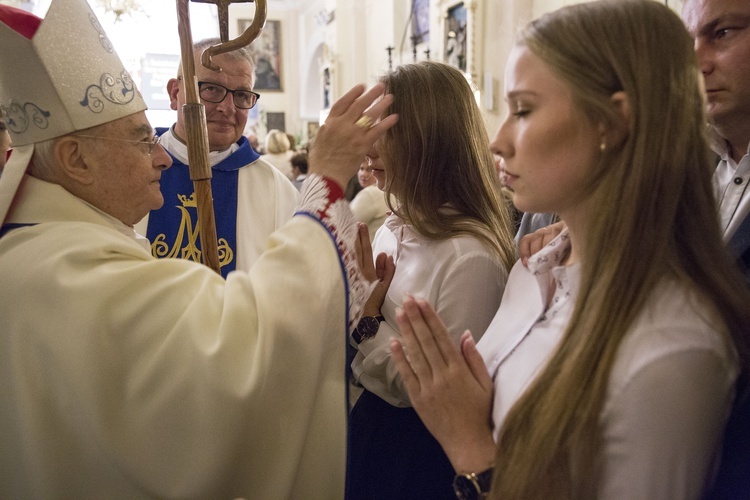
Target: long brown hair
(656, 219)
(443, 172)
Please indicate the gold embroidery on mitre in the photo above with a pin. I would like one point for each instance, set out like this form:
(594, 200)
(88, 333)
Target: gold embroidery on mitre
(160, 247)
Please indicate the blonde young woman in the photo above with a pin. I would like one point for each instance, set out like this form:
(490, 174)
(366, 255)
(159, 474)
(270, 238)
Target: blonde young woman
(609, 369)
(451, 240)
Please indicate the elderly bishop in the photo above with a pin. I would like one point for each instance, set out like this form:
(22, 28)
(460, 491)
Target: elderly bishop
(127, 376)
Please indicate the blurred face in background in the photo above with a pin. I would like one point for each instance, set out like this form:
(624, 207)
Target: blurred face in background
(364, 175)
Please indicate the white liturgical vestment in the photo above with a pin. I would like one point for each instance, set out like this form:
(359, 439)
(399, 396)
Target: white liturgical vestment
(124, 376)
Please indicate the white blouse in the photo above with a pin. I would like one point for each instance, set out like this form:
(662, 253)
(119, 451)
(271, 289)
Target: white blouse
(460, 276)
(669, 391)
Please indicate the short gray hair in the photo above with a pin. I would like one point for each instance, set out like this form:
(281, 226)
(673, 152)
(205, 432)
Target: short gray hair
(43, 164)
(241, 54)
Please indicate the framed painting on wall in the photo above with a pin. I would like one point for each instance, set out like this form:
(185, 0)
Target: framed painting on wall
(455, 37)
(461, 41)
(420, 27)
(276, 121)
(266, 50)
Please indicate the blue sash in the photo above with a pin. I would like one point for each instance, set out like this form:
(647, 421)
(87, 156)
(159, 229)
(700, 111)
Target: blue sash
(172, 229)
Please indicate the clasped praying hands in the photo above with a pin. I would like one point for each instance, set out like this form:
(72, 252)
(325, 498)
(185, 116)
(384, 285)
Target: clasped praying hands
(449, 388)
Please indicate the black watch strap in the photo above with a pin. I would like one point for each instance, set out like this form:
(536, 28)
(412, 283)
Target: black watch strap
(473, 486)
(367, 328)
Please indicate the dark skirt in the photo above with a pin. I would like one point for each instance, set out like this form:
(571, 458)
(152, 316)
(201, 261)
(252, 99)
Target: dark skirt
(392, 455)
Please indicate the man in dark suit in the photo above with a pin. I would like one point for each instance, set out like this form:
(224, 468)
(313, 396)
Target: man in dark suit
(721, 29)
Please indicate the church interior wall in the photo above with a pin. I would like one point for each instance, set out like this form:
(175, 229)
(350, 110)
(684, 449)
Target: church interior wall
(327, 46)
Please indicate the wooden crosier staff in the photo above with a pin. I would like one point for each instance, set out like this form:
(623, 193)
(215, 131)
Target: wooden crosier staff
(195, 113)
(223, 7)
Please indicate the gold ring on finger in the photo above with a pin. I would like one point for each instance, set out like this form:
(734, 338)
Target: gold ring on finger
(364, 122)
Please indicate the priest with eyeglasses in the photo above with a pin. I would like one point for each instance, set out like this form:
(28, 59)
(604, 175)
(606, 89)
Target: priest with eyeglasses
(251, 198)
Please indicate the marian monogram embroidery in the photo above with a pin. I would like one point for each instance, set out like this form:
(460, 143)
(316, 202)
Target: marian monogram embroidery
(185, 244)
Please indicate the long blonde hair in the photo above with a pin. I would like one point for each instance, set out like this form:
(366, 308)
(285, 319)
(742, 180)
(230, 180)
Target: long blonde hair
(439, 156)
(656, 218)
